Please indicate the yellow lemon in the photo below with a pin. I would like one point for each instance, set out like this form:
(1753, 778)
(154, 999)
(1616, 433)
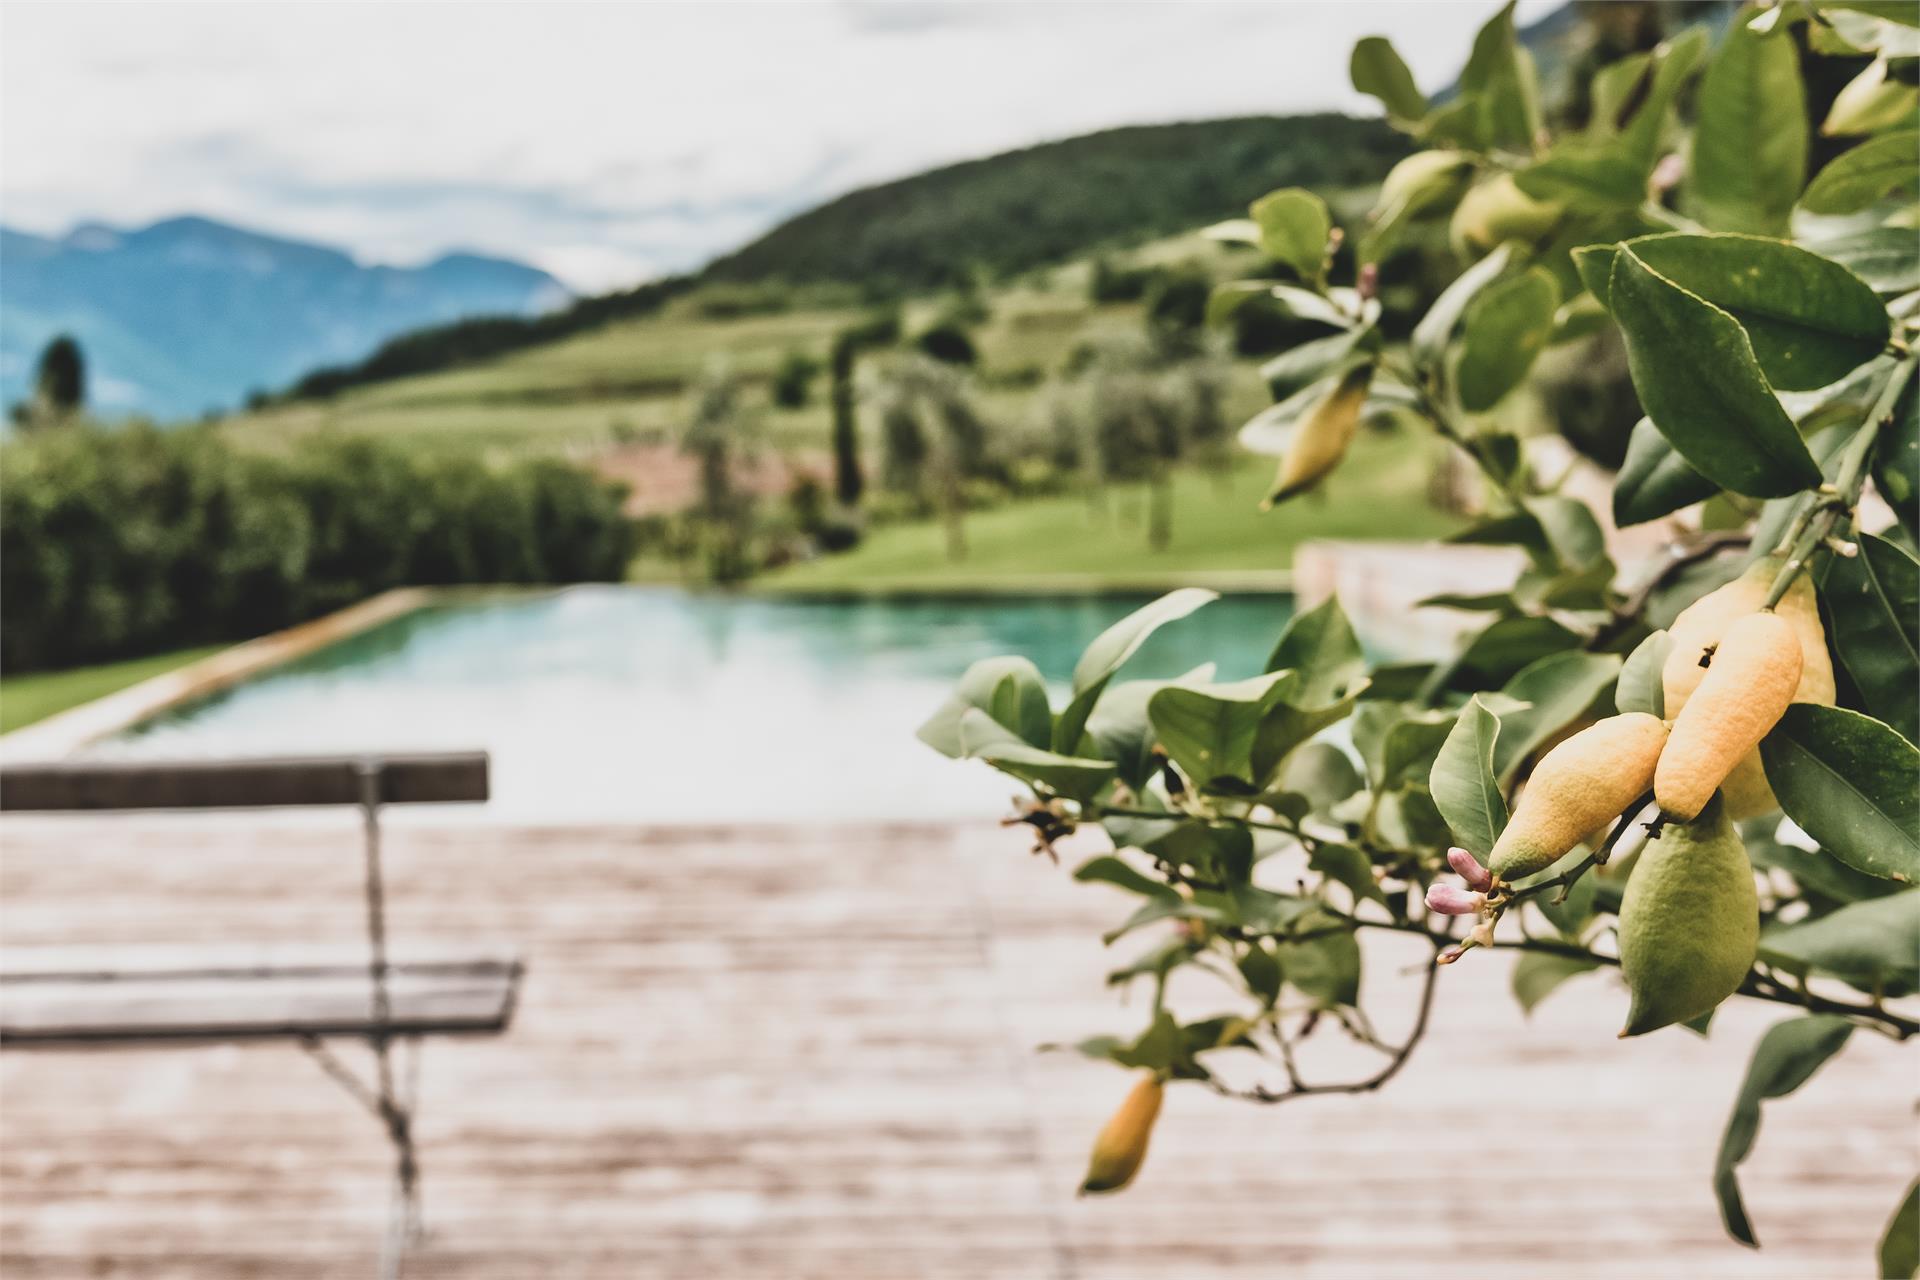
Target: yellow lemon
(1323, 434)
(1698, 631)
(1497, 211)
(1753, 674)
(1689, 922)
(1580, 785)
(1122, 1144)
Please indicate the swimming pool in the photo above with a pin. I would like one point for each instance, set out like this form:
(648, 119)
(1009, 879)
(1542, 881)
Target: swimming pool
(646, 704)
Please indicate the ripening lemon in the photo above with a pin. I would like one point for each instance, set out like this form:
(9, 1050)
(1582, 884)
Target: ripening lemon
(1322, 437)
(1581, 784)
(1698, 631)
(1122, 1143)
(1753, 675)
(1689, 922)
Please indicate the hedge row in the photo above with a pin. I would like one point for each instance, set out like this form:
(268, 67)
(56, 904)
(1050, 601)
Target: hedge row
(118, 543)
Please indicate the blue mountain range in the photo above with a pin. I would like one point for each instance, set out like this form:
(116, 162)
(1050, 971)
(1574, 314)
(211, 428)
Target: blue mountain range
(190, 314)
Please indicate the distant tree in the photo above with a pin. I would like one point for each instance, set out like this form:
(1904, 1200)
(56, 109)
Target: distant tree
(848, 480)
(949, 344)
(1177, 311)
(933, 440)
(715, 439)
(60, 381)
(793, 380)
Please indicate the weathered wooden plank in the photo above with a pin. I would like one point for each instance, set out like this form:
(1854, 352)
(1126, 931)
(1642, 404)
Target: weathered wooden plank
(40, 1009)
(763, 1052)
(439, 777)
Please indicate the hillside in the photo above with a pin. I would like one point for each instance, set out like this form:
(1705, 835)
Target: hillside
(1022, 209)
(189, 314)
(998, 217)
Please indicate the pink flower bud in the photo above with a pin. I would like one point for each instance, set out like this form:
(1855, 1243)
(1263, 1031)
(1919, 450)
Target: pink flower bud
(1468, 868)
(1451, 900)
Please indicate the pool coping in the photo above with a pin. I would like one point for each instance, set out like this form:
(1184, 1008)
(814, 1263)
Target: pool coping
(1241, 582)
(66, 732)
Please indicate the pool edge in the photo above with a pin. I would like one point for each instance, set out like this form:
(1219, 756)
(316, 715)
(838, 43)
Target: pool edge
(67, 732)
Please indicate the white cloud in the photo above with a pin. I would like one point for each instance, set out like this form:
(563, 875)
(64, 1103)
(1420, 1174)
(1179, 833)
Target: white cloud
(609, 142)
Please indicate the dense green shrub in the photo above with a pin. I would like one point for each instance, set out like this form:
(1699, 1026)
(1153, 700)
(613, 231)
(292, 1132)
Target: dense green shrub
(120, 543)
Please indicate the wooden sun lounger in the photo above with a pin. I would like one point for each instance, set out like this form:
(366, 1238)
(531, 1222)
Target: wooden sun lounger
(54, 1001)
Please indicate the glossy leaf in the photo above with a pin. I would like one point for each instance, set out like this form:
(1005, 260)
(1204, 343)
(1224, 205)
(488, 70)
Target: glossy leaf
(1749, 155)
(1786, 1058)
(1507, 326)
(1810, 320)
(1209, 730)
(1069, 776)
(1501, 649)
(1498, 88)
(1900, 1242)
(1378, 71)
(1856, 178)
(1320, 645)
(1558, 689)
(1464, 784)
(1010, 690)
(1436, 327)
(1111, 648)
(1317, 361)
(1848, 781)
(1873, 945)
(1538, 974)
(1108, 869)
(1655, 480)
(1640, 687)
(1697, 377)
(1874, 599)
(1293, 230)
(1887, 258)
(1896, 468)
(1322, 773)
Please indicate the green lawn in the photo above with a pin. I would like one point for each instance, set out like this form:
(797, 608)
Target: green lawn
(1064, 542)
(37, 695)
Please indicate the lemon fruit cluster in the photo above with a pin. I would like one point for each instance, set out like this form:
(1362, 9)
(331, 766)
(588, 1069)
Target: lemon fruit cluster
(1689, 922)
(1122, 1143)
(1581, 784)
(1697, 636)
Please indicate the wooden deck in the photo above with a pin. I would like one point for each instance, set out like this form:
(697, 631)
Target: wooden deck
(808, 1053)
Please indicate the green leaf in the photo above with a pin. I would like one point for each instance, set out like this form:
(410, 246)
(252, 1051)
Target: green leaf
(1346, 865)
(1505, 646)
(1320, 645)
(1069, 776)
(1158, 909)
(1261, 972)
(1900, 1243)
(1538, 973)
(1810, 320)
(1818, 875)
(1750, 141)
(1559, 688)
(1295, 716)
(1377, 71)
(1873, 945)
(1322, 773)
(1896, 466)
(1697, 377)
(1326, 968)
(1887, 258)
(1436, 327)
(1108, 869)
(1655, 480)
(1293, 230)
(1848, 781)
(1874, 599)
(1010, 690)
(1208, 730)
(1507, 326)
(1499, 89)
(1317, 361)
(1786, 1058)
(1641, 687)
(1463, 782)
(1857, 178)
(1111, 648)
(1569, 531)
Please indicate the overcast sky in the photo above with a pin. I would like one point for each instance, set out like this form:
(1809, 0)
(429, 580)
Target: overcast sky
(612, 142)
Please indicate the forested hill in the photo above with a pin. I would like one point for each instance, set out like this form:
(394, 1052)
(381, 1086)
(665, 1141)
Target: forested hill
(1027, 208)
(1002, 215)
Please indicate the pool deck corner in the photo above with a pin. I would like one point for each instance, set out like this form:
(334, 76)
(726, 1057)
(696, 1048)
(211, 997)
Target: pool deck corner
(62, 735)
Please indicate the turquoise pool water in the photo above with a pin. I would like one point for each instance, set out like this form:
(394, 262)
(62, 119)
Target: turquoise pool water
(657, 705)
